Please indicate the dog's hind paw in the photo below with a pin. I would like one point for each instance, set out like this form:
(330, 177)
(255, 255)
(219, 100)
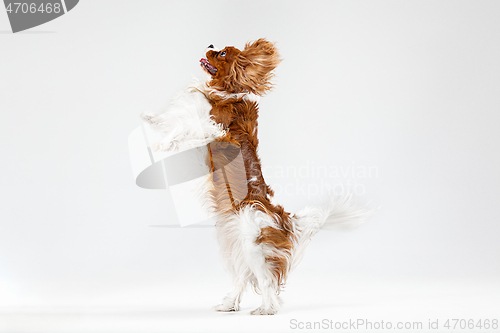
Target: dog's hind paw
(226, 308)
(263, 312)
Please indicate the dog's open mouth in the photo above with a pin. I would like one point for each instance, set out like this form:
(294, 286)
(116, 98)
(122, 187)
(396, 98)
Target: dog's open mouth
(207, 66)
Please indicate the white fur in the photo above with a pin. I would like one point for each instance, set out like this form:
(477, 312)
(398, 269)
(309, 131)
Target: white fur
(339, 212)
(246, 260)
(225, 95)
(186, 122)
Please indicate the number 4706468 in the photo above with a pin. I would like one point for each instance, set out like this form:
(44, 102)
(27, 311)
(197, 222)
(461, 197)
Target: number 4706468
(24, 7)
(471, 324)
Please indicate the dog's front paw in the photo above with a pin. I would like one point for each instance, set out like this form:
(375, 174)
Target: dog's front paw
(166, 146)
(226, 308)
(263, 312)
(156, 146)
(172, 145)
(151, 118)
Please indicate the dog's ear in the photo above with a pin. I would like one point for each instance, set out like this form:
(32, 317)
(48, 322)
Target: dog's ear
(254, 66)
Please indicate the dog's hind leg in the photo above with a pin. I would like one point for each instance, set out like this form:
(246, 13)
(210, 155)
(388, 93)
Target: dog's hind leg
(232, 301)
(269, 290)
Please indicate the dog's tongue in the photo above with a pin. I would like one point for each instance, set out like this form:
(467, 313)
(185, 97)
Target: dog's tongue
(208, 66)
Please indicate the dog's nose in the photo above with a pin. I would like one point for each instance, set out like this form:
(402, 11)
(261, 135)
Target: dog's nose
(211, 47)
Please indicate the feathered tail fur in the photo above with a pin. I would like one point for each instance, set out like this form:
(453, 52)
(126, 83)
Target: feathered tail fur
(339, 212)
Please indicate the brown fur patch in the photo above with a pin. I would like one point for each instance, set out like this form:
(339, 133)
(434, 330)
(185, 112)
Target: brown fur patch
(281, 241)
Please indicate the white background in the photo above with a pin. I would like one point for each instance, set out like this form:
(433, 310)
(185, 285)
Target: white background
(409, 89)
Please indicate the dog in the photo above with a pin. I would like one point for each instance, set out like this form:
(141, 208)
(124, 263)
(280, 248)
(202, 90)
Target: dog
(260, 242)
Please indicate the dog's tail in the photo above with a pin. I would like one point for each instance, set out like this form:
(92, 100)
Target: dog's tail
(339, 212)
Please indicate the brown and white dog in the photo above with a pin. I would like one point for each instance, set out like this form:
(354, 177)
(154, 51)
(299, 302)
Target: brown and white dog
(259, 240)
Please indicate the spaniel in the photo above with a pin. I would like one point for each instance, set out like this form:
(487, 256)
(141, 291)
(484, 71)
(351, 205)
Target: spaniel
(260, 241)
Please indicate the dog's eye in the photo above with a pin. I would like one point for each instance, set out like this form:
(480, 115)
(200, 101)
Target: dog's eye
(222, 54)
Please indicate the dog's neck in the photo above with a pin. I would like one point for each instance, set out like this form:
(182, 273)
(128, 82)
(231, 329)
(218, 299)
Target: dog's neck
(205, 88)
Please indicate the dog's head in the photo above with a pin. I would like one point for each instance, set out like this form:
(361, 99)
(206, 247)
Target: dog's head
(236, 71)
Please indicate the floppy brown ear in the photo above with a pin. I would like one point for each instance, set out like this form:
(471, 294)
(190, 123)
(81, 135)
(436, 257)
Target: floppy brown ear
(254, 66)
